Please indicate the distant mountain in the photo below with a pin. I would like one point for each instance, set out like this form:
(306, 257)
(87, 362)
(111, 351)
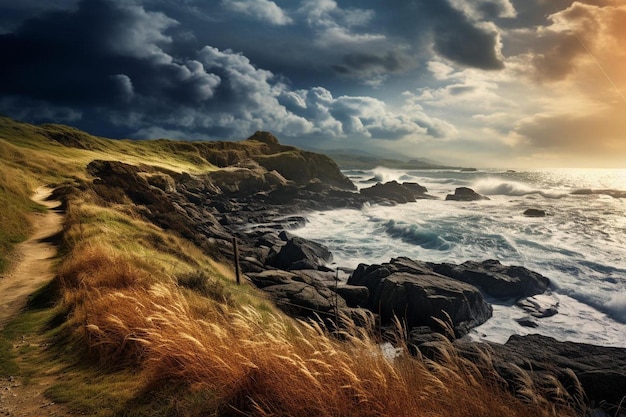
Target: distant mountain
(362, 160)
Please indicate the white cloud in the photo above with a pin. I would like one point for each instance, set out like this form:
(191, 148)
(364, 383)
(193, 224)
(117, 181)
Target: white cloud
(137, 33)
(263, 10)
(485, 9)
(334, 25)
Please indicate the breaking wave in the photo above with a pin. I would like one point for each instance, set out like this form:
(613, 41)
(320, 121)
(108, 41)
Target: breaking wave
(491, 186)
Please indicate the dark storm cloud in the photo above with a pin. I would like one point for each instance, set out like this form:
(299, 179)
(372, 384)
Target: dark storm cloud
(455, 34)
(362, 63)
(117, 65)
(101, 54)
(107, 54)
(218, 70)
(468, 45)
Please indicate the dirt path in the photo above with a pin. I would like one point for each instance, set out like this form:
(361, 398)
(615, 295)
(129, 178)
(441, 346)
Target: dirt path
(31, 271)
(34, 266)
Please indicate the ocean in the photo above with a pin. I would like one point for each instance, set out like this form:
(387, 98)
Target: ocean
(580, 245)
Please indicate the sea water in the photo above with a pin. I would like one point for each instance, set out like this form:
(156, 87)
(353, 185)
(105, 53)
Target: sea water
(580, 245)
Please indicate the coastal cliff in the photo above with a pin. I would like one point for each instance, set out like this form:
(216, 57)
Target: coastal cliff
(144, 231)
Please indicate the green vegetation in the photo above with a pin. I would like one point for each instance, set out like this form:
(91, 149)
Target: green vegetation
(140, 322)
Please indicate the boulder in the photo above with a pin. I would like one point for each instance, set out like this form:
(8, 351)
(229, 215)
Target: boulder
(299, 293)
(532, 212)
(299, 251)
(540, 306)
(417, 296)
(465, 194)
(496, 280)
(355, 296)
(393, 191)
(418, 190)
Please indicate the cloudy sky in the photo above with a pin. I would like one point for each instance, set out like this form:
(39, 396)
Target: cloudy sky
(538, 83)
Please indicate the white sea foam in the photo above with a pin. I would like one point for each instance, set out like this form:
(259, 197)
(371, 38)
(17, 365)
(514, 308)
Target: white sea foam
(617, 306)
(493, 186)
(580, 246)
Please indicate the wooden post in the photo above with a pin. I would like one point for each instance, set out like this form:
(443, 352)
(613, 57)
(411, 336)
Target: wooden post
(336, 299)
(236, 260)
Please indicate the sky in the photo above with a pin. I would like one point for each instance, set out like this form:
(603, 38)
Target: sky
(486, 83)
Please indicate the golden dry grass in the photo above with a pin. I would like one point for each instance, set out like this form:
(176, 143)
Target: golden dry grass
(244, 362)
(218, 352)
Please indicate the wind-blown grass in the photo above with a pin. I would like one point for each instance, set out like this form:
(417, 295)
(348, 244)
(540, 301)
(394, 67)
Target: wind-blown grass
(222, 356)
(148, 324)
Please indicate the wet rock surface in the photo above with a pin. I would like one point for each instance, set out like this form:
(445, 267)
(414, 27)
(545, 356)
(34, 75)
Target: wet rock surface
(465, 194)
(533, 212)
(417, 296)
(495, 279)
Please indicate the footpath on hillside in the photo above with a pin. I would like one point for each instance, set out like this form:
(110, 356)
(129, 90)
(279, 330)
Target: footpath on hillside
(31, 270)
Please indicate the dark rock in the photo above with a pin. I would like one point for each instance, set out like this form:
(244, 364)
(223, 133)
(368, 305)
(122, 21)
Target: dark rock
(415, 188)
(422, 339)
(284, 194)
(526, 322)
(355, 296)
(416, 295)
(298, 249)
(285, 236)
(390, 191)
(540, 306)
(535, 213)
(465, 194)
(270, 240)
(600, 370)
(116, 182)
(302, 264)
(251, 264)
(497, 280)
(271, 277)
(300, 293)
(291, 222)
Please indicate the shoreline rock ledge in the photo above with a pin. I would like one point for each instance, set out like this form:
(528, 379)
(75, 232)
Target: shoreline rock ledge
(417, 296)
(600, 370)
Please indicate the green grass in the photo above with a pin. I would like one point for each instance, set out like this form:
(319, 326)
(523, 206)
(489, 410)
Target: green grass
(88, 390)
(17, 336)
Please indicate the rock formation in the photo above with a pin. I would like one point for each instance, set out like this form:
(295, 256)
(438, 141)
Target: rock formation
(404, 289)
(465, 194)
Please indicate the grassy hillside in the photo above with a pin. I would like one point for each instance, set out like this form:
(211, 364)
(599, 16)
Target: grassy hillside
(140, 322)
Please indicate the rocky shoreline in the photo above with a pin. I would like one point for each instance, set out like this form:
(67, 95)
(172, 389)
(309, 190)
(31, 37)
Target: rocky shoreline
(257, 197)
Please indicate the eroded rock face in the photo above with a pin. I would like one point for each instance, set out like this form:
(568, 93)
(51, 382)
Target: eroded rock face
(415, 295)
(496, 280)
(465, 194)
